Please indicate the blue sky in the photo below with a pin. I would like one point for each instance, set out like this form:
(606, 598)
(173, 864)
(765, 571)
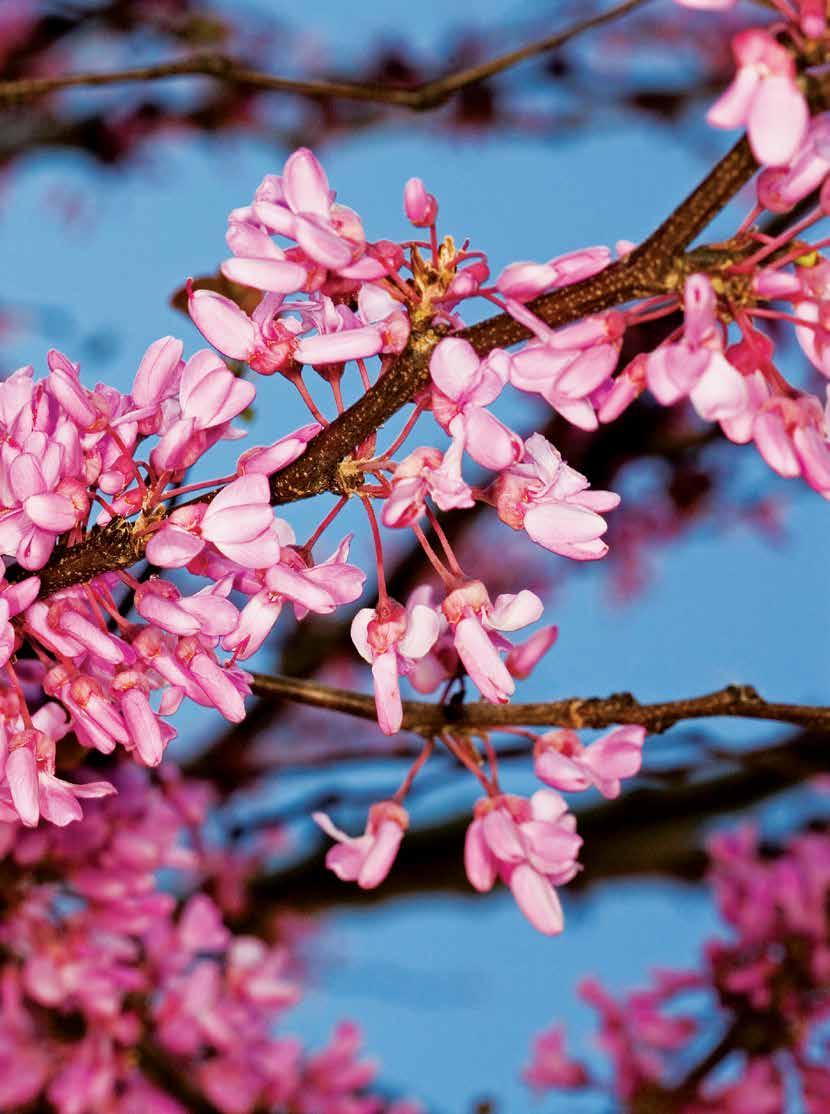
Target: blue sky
(450, 992)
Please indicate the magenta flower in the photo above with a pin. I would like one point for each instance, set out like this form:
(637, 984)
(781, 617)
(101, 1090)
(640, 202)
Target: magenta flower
(551, 1068)
(392, 638)
(299, 205)
(463, 386)
(426, 472)
(696, 365)
(29, 787)
(263, 340)
(366, 859)
(560, 759)
(420, 207)
(34, 512)
(238, 521)
(566, 366)
(265, 460)
(524, 281)
(552, 502)
(531, 845)
(764, 96)
(475, 623)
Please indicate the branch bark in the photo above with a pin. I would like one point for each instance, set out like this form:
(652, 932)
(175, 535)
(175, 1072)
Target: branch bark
(221, 67)
(655, 267)
(734, 701)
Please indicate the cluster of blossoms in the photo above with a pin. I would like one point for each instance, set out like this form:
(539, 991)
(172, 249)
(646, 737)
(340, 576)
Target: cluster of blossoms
(768, 982)
(88, 650)
(119, 996)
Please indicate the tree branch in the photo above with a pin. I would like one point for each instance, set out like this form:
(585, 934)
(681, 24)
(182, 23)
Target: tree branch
(221, 67)
(736, 701)
(656, 266)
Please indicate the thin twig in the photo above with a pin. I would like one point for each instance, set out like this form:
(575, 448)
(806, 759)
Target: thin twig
(221, 67)
(737, 701)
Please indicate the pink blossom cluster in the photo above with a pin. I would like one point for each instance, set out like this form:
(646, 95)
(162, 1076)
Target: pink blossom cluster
(110, 661)
(105, 975)
(768, 982)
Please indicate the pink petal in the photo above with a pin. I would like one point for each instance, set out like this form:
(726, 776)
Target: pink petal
(156, 375)
(382, 852)
(387, 693)
(490, 442)
(453, 366)
(537, 899)
(502, 836)
(305, 184)
(173, 548)
(778, 120)
(478, 862)
(335, 348)
(511, 612)
(278, 276)
(223, 324)
(52, 512)
(482, 662)
(423, 626)
(731, 109)
(321, 243)
(21, 777)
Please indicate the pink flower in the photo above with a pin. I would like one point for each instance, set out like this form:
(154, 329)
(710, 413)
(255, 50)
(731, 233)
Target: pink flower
(552, 502)
(366, 859)
(781, 187)
(264, 341)
(268, 459)
(765, 96)
(426, 473)
(696, 365)
(531, 845)
(524, 281)
(35, 511)
(551, 1067)
(392, 639)
(463, 385)
(475, 623)
(420, 207)
(299, 205)
(30, 788)
(238, 521)
(568, 365)
(564, 763)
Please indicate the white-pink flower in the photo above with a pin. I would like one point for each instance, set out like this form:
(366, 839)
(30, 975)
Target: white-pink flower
(463, 386)
(392, 638)
(531, 845)
(366, 859)
(553, 502)
(476, 624)
(561, 761)
(764, 96)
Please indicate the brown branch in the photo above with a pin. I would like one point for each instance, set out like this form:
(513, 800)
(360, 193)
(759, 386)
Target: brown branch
(654, 267)
(735, 701)
(427, 95)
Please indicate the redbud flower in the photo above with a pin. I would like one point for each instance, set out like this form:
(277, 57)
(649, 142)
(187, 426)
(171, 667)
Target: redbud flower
(552, 502)
(463, 385)
(392, 639)
(695, 365)
(551, 1067)
(420, 207)
(531, 845)
(366, 859)
(475, 621)
(764, 95)
(560, 759)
